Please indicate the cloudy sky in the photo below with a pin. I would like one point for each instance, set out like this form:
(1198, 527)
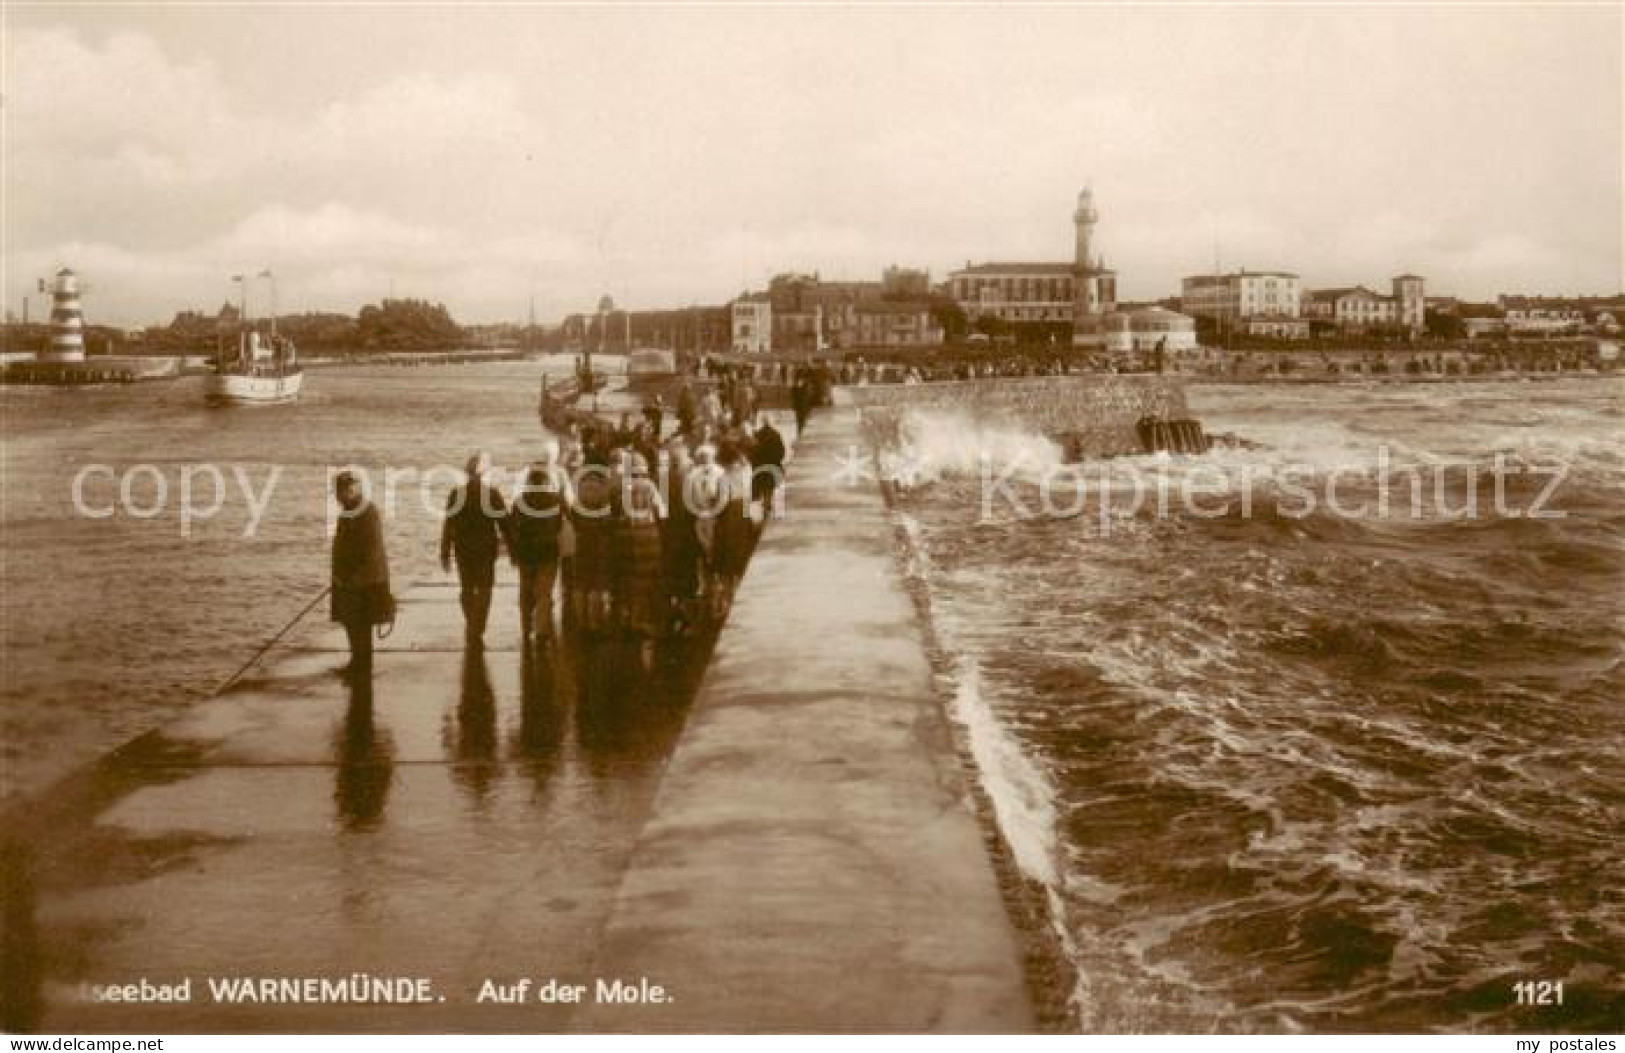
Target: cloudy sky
(671, 155)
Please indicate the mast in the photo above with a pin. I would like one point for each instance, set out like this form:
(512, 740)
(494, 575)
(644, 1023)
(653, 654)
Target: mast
(266, 274)
(242, 312)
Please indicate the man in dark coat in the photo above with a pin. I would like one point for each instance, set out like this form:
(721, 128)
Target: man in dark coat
(802, 397)
(473, 534)
(743, 401)
(767, 465)
(688, 411)
(360, 574)
(532, 529)
(655, 414)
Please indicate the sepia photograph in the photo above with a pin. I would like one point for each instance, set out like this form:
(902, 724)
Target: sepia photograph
(812, 518)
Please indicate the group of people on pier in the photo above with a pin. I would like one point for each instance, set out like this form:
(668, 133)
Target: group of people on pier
(815, 378)
(643, 534)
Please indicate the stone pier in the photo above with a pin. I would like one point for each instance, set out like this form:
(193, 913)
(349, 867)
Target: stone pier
(787, 845)
(814, 862)
(1095, 414)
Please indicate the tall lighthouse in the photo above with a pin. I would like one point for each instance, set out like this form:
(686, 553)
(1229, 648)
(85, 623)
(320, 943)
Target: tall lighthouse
(1085, 219)
(67, 320)
(1095, 293)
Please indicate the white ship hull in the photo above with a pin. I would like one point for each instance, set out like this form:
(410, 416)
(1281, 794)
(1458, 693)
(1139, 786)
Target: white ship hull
(246, 389)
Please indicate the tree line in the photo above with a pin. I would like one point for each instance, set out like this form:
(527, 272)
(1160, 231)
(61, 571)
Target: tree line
(391, 325)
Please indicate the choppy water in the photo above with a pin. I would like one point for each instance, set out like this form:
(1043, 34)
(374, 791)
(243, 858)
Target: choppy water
(1278, 772)
(1316, 772)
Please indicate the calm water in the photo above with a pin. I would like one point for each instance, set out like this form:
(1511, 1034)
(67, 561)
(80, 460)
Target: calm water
(1313, 772)
(112, 624)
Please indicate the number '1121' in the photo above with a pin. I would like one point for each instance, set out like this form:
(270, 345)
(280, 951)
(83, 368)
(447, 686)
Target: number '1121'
(1538, 992)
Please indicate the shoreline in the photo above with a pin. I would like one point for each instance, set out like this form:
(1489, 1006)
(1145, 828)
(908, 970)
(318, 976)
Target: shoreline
(1430, 378)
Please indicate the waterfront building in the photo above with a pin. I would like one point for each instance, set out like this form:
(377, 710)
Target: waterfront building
(1082, 292)
(805, 312)
(695, 329)
(896, 323)
(1150, 328)
(1410, 302)
(1362, 310)
(752, 324)
(1474, 327)
(1531, 318)
(1015, 292)
(1258, 303)
(801, 306)
(1536, 317)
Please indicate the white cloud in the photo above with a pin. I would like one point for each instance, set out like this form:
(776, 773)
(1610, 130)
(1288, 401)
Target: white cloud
(65, 94)
(145, 150)
(673, 155)
(331, 230)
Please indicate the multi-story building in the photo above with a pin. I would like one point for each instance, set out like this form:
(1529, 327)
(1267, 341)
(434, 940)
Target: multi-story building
(1082, 292)
(896, 323)
(1015, 292)
(803, 312)
(1259, 303)
(811, 314)
(1411, 302)
(1358, 309)
(695, 329)
(753, 324)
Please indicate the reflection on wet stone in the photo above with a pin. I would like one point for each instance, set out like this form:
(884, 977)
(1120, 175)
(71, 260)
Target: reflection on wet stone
(474, 735)
(541, 718)
(365, 763)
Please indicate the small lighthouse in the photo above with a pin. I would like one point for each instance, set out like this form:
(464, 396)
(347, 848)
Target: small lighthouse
(67, 320)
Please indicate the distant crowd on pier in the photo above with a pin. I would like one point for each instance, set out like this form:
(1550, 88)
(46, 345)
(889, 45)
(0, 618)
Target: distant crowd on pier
(641, 530)
(1524, 358)
(860, 371)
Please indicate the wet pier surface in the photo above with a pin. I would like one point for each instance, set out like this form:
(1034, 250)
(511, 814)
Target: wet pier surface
(786, 846)
(468, 817)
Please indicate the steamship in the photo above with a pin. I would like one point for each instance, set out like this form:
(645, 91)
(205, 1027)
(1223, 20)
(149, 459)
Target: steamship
(262, 372)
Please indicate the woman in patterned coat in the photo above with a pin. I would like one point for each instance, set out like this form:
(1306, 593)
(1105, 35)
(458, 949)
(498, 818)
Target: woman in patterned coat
(642, 582)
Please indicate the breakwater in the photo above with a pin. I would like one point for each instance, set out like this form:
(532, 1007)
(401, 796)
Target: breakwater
(1097, 415)
(813, 861)
(102, 369)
